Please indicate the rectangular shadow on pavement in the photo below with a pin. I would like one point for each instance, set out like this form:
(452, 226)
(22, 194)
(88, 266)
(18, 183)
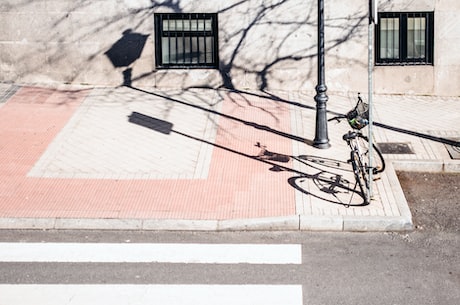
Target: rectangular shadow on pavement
(150, 122)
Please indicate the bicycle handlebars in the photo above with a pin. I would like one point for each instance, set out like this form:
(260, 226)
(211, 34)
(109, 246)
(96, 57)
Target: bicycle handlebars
(338, 117)
(354, 116)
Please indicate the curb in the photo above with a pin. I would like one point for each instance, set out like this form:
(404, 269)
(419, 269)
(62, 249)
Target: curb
(436, 166)
(336, 223)
(288, 223)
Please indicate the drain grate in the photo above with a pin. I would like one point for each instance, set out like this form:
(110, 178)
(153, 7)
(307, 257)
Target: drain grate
(454, 150)
(395, 148)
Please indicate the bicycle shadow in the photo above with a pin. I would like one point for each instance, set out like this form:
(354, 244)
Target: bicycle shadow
(323, 178)
(333, 185)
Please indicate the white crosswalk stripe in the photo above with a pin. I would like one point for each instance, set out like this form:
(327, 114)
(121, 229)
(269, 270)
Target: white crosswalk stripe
(159, 294)
(151, 294)
(158, 253)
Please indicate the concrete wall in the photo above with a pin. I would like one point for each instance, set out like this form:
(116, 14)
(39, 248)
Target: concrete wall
(263, 44)
(443, 78)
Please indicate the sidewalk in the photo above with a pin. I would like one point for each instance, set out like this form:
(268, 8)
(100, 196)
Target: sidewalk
(145, 159)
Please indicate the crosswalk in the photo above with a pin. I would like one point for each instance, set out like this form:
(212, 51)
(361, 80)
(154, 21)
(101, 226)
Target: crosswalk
(151, 253)
(150, 294)
(154, 253)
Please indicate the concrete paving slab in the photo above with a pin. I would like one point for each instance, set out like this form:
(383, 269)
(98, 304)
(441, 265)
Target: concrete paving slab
(100, 141)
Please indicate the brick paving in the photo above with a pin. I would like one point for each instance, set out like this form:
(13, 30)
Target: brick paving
(99, 165)
(150, 159)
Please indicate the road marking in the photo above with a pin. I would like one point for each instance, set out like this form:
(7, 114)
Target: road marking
(151, 294)
(152, 253)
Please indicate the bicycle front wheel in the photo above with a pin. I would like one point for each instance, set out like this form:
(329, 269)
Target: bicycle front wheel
(359, 171)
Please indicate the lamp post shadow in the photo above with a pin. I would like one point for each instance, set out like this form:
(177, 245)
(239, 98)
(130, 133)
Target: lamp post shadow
(125, 51)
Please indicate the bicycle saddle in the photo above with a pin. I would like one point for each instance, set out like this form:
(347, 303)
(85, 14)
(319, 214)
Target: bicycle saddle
(349, 135)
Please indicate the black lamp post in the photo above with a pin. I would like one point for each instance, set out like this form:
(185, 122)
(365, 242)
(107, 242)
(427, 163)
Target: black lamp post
(321, 138)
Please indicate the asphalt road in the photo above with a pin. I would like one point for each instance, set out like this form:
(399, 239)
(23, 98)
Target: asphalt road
(418, 267)
(337, 268)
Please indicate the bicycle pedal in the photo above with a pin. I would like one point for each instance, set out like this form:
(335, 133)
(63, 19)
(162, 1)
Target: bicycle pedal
(376, 178)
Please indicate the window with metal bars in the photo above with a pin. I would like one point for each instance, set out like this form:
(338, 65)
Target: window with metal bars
(186, 40)
(405, 38)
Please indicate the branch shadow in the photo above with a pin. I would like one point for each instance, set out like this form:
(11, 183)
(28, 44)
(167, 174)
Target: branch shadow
(419, 134)
(137, 16)
(236, 119)
(426, 136)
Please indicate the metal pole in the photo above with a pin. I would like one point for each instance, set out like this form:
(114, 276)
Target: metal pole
(370, 89)
(372, 20)
(321, 136)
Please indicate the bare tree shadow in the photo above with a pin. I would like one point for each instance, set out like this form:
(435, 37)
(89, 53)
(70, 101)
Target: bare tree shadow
(238, 37)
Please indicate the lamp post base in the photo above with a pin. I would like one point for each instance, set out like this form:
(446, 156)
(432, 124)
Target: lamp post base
(321, 140)
(321, 145)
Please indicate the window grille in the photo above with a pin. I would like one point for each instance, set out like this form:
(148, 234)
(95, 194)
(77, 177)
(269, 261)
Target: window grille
(405, 38)
(186, 40)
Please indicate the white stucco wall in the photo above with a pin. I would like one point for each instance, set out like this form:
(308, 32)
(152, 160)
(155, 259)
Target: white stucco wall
(443, 78)
(267, 44)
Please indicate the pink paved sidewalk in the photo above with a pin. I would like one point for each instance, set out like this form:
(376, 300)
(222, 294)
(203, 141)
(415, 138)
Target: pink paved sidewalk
(236, 187)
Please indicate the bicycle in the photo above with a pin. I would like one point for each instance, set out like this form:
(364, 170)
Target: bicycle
(358, 118)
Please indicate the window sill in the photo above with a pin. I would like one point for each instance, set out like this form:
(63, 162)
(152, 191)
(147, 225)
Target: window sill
(403, 64)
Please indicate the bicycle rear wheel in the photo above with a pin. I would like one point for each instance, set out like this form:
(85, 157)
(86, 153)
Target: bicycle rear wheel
(378, 164)
(359, 171)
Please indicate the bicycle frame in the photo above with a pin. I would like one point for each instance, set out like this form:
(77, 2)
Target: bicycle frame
(360, 146)
(358, 151)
